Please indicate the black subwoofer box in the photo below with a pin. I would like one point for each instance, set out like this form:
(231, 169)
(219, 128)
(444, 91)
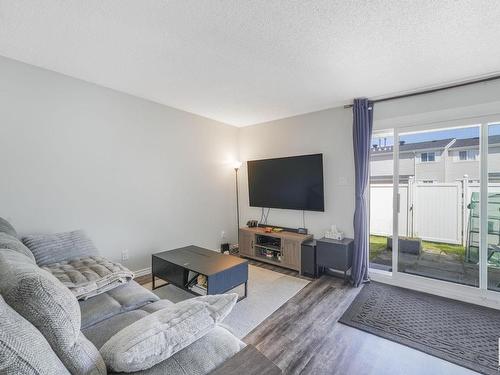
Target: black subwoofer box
(308, 258)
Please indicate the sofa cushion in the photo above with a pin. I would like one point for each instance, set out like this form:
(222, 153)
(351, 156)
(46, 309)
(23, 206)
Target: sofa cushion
(158, 305)
(90, 276)
(59, 247)
(97, 309)
(7, 228)
(121, 299)
(42, 300)
(133, 295)
(201, 357)
(10, 242)
(101, 332)
(158, 336)
(23, 349)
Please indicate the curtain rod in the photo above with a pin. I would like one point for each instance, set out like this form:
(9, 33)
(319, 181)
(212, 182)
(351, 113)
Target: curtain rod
(430, 91)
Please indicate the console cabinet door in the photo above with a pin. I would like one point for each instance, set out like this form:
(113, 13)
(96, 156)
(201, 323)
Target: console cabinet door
(246, 243)
(291, 253)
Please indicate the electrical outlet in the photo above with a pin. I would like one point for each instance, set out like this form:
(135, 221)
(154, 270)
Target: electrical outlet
(125, 254)
(222, 234)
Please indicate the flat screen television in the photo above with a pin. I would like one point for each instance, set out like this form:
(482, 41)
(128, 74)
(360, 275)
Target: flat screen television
(294, 183)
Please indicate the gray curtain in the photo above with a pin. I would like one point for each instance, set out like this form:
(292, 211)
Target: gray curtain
(361, 133)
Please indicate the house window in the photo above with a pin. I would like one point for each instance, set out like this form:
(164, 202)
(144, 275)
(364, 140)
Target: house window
(427, 157)
(467, 155)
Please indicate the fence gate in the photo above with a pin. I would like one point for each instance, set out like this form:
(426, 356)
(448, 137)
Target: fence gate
(438, 212)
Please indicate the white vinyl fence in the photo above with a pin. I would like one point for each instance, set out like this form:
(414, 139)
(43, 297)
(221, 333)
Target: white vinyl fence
(434, 212)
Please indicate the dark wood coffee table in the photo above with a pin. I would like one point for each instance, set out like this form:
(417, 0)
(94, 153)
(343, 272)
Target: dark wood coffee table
(223, 272)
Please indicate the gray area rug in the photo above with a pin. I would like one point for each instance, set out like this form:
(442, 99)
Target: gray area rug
(267, 292)
(455, 331)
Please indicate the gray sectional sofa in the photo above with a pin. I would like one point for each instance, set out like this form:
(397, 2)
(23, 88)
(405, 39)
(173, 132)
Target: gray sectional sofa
(44, 329)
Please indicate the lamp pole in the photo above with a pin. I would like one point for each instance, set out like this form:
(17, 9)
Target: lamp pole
(237, 206)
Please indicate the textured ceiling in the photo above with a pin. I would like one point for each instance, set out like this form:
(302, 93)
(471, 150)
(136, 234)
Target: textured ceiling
(244, 62)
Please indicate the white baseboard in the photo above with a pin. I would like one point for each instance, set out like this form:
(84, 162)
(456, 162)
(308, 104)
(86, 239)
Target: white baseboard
(143, 272)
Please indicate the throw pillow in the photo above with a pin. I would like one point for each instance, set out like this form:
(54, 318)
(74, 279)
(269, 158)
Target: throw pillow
(59, 247)
(158, 336)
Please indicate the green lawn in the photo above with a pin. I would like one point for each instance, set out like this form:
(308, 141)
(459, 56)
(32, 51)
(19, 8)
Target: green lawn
(379, 243)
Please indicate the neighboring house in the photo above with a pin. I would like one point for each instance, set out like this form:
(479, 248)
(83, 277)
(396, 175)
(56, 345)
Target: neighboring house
(445, 160)
(463, 160)
(425, 161)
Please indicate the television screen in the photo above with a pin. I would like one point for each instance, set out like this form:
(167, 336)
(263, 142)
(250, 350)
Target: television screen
(294, 183)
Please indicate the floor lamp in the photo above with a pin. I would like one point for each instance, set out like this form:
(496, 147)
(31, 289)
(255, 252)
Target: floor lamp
(237, 166)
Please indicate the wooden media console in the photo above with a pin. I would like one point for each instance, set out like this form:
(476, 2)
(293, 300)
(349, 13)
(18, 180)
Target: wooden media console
(279, 248)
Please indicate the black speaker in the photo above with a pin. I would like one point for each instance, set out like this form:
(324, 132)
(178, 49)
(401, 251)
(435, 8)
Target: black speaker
(308, 258)
(224, 247)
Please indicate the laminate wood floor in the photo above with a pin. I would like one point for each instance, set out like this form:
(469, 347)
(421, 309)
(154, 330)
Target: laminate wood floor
(304, 337)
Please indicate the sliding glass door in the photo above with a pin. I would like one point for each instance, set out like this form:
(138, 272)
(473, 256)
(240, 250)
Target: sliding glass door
(439, 179)
(436, 188)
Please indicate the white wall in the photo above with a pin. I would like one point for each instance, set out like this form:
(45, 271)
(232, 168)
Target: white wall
(134, 174)
(328, 132)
